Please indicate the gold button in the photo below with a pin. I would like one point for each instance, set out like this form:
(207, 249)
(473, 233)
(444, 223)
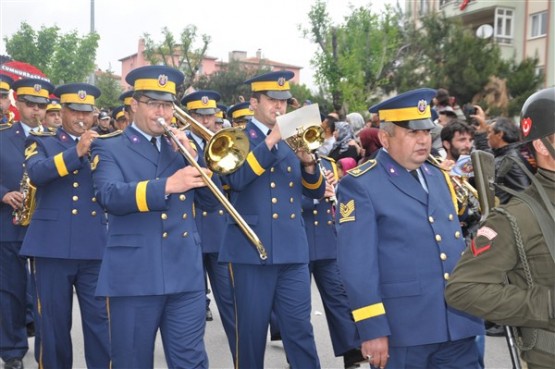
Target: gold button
(275, 216)
(450, 216)
(182, 197)
(291, 200)
(272, 185)
(443, 256)
(75, 198)
(293, 216)
(431, 219)
(75, 171)
(220, 212)
(274, 200)
(185, 234)
(438, 238)
(93, 199)
(457, 234)
(164, 216)
(316, 223)
(165, 235)
(330, 222)
(204, 213)
(184, 215)
(289, 169)
(315, 212)
(446, 276)
(291, 184)
(74, 212)
(328, 211)
(75, 184)
(93, 213)
(272, 169)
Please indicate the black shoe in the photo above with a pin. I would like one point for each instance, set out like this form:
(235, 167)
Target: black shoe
(495, 331)
(31, 329)
(275, 337)
(209, 316)
(14, 364)
(353, 358)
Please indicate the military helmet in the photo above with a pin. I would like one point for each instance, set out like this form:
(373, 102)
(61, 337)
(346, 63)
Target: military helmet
(537, 118)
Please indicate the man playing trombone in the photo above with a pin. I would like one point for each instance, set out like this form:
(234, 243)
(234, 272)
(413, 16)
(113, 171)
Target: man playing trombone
(152, 272)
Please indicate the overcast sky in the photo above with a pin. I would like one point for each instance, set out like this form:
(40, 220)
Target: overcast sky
(246, 25)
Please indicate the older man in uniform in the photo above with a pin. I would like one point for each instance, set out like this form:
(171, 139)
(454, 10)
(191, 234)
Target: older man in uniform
(398, 241)
(267, 192)
(67, 234)
(152, 267)
(32, 95)
(508, 273)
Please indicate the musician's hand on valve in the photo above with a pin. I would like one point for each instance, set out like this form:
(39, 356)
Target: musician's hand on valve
(13, 199)
(330, 191)
(85, 141)
(186, 179)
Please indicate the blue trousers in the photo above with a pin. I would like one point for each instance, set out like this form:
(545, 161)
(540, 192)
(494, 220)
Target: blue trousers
(285, 289)
(135, 320)
(55, 280)
(13, 300)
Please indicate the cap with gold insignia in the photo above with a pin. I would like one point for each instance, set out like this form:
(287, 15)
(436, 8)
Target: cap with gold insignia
(5, 84)
(409, 110)
(202, 102)
(272, 84)
(156, 81)
(34, 90)
(240, 111)
(54, 104)
(220, 114)
(78, 96)
(126, 97)
(118, 112)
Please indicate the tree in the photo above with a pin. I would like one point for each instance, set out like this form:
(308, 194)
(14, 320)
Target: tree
(64, 58)
(181, 55)
(110, 88)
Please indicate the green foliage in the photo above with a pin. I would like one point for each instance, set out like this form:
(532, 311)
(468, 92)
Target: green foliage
(64, 58)
(182, 55)
(522, 81)
(110, 88)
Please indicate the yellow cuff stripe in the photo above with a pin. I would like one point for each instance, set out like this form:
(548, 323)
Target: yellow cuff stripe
(75, 99)
(31, 91)
(269, 86)
(451, 190)
(313, 186)
(198, 104)
(242, 113)
(254, 164)
(153, 85)
(367, 312)
(60, 165)
(399, 115)
(140, 196)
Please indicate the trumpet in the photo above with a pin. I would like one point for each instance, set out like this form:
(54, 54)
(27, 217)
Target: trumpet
(463, 189)
(225, 150)
(247, 230)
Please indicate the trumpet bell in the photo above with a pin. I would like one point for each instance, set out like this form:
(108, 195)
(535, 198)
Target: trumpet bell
(227, 150)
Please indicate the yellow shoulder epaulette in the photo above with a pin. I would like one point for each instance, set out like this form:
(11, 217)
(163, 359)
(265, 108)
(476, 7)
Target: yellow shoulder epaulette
(328, 158)
(362, 168)
(4, 126)
(43, 133)
(111, 134)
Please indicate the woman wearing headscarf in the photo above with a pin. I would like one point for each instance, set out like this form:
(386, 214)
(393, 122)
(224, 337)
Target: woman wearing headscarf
(370, 143)
(345, 144)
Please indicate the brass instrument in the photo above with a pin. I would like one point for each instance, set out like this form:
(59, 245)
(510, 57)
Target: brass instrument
(247, 230)
(463, 189)
(22, 216)
(225, 150)
(308, 138)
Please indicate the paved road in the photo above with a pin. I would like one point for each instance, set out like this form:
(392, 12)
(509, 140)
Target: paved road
(219, 356)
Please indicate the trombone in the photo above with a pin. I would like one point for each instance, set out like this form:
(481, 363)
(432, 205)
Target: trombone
(225, 151)
(462, 188)
(247, 230)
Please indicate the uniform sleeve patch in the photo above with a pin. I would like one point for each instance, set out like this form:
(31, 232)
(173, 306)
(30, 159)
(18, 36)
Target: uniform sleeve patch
(94, 162)
(31, 150)
(482, 242)
(487, 232)
(347, 212)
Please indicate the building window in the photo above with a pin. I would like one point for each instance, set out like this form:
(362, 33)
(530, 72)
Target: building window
(424, 7)
(538, 22)
(504, 25)
(444, 2)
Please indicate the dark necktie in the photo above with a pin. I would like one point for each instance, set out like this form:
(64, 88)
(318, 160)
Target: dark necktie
(154, 143)
(414, 173)
(76, 140)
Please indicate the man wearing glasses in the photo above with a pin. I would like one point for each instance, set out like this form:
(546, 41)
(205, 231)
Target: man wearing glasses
(32, 98)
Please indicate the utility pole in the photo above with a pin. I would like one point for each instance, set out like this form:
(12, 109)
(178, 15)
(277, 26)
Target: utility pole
(91, 77)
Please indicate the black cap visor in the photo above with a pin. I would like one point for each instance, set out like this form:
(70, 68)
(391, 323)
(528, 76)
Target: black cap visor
(157, 95)
(204, 111)
(80, 107)
(279, 95)
(416, 125)
(34, 99)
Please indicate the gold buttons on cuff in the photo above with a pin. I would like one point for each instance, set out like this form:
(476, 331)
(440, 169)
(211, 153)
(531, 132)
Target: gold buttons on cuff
(75, 184)
(75, 198)
(182, 197)
(74, 212)
(275, 216)
(272, 185)
(457, 234)
(443, 256)
(164, 216)
(165, 235)
(220, 212)
(93, 213)
(431, 219)
(438, 238)
(446, 276)
(450, 217)
(274, 200)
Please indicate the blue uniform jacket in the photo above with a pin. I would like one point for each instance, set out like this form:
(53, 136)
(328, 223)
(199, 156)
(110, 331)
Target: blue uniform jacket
(153, 245)
(319, 224)
(397, 246)
(267, 191)
(12, 146)
(68, 222)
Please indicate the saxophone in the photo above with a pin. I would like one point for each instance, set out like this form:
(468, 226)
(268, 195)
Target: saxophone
(22, 216)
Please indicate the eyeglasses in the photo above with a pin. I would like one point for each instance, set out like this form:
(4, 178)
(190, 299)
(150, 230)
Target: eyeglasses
(156, 105)
(30, 104)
